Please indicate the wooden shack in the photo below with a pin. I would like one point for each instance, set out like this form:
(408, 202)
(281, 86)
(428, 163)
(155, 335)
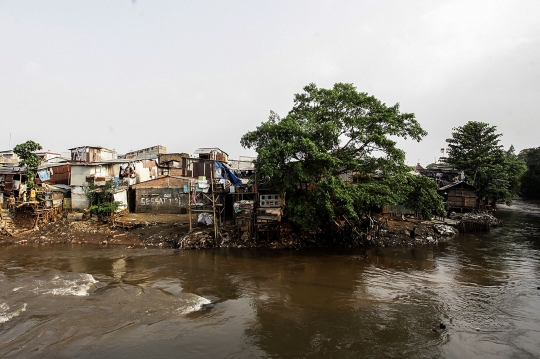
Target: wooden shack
(459, 196)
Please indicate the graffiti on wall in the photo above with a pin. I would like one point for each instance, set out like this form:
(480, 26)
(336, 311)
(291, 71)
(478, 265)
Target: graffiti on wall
(161, 199)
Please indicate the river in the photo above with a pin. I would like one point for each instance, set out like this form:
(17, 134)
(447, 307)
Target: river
(80, 301)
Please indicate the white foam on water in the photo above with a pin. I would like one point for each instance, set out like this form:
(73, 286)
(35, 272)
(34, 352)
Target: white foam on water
(78, 286)
(6, 315)
(195, 303)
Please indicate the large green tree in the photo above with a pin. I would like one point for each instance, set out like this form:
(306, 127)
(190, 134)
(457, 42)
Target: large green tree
(334, 154)
(474, 148)
(422, 197)
(531, 178)
(28, 159)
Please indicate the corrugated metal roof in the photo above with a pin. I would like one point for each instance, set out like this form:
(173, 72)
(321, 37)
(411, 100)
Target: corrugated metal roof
(58, 187)
(52, 165)
(451, 185)
(100, 163)
(162, 182)
(98, 147)
(15, 170)
(208, 150)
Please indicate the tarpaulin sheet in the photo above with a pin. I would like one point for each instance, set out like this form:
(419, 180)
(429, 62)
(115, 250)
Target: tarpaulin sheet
(44, 175)
(228, 174)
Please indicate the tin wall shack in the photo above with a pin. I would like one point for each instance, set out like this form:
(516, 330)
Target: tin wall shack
(162, 195)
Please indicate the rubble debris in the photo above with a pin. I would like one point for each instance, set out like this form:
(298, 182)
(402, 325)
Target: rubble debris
(196, 240)
(477, 222)
(444, 230)
(205, 218)
(173, 231)
(75, 216)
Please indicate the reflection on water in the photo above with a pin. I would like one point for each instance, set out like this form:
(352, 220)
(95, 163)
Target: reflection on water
(78, 301)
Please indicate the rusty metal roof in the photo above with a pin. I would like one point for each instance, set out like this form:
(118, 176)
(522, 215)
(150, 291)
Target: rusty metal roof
(162, 182)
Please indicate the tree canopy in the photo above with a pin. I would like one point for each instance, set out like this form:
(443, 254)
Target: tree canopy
(474, 148)
(531, 177)
(422, 197)
(28, 159)
(334, 154)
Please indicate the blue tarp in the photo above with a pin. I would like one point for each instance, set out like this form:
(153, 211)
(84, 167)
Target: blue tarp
(44, 175)
(228, 174)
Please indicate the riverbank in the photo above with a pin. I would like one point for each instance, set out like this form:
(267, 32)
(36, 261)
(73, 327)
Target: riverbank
(173, 231)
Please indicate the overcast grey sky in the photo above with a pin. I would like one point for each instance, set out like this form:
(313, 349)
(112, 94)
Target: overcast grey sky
(186, 74)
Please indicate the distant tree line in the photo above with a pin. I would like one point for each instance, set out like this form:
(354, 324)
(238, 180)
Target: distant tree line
(530, 181)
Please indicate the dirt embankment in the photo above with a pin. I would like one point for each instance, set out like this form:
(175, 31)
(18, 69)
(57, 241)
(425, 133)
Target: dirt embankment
(129, 230)
(168, 230)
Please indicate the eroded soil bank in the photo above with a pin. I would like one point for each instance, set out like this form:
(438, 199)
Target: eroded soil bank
(173, 231)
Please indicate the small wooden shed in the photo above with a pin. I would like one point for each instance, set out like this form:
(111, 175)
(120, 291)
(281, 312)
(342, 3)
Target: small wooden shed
(459, 196)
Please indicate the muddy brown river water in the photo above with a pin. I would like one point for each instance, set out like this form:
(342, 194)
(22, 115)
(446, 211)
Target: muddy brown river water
(80, 301)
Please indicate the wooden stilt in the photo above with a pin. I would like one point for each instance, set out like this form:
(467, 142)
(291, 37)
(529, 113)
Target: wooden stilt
(214, 203)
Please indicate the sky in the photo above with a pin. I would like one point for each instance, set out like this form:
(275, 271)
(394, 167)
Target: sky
(128, 75)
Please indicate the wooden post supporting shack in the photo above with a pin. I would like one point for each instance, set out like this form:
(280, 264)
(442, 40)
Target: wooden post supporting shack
(189, 206)
(214, 202)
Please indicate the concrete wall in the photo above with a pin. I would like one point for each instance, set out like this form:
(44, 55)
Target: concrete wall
(146, 153)
(121, 197)
(79, 173)
(161, 200)
(78, 198)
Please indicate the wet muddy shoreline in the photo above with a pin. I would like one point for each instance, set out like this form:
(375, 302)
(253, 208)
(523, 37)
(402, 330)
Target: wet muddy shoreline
(173, 231)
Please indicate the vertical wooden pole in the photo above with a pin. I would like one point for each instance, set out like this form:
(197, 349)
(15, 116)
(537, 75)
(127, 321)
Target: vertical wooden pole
(213, 201)
(189, 207)
(254, 227)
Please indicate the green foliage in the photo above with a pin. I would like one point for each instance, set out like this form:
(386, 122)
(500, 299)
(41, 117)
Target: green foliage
(329, 135)
(101, 198)
(514, 168)
(531, 178)
(423, 198)
(105, 208)
(475, 149)
(28, 159)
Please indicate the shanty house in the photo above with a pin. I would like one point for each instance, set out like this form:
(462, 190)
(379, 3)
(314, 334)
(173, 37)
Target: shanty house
(146, 153)
(211, 153)
(162, 195)
(459, 196)
(90, 154)
(173, 164)
(443, 174)
(47, 156)
(84, 173)
(54, 173)
(12, 181)
(8, 158)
